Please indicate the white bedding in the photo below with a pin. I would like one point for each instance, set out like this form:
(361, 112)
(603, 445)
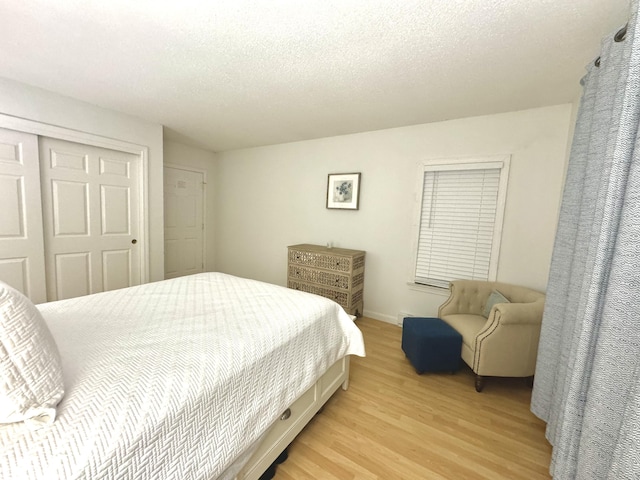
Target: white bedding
(175, 379)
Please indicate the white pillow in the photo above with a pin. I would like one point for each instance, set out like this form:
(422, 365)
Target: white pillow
(30, 368)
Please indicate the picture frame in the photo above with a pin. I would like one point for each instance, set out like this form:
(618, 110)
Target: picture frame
(343, 191)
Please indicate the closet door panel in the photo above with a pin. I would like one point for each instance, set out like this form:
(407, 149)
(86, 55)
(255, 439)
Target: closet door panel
(91, 218)
(21, 237)
(11, 214)
(70, 208)
(73, 275)
(116, 269)
(14, 271)
(116, 210)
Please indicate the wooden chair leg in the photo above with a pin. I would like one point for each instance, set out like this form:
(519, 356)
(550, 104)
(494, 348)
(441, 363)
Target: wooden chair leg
(479, 383)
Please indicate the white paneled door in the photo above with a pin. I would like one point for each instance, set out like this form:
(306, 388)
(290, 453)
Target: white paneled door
(21, 241)
(183, 222)
(90, 203)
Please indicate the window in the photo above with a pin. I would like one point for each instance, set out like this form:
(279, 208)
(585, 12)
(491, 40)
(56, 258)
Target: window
(460, 222)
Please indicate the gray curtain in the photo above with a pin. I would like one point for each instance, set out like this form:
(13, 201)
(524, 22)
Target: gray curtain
(587, 384)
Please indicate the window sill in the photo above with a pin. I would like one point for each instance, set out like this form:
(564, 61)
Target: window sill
(443, 292)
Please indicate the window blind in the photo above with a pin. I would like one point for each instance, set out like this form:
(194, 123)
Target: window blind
(457, 224)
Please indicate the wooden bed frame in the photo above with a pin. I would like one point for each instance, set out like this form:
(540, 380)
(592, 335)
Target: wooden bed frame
(294, 419)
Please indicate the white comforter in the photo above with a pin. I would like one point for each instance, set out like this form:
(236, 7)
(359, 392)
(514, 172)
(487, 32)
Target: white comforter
(175, 379)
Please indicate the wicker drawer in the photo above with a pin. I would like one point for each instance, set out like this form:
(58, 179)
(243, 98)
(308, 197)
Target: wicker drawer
(320, 277)
(335, 273)
(337, 296)
(320, 260)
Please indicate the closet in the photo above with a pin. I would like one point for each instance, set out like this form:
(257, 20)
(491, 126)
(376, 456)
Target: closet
(70, 217)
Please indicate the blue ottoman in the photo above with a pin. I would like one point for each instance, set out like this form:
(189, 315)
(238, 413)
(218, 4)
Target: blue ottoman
(431, 344)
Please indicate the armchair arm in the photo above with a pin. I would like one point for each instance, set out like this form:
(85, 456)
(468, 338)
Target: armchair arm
(517, 313)
(508, 343)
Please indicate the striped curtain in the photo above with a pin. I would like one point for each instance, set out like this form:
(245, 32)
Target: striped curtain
(587, 383)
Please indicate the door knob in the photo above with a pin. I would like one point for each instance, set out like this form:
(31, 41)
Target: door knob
(134, 241)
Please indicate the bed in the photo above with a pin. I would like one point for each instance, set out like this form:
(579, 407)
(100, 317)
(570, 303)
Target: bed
(200, 377)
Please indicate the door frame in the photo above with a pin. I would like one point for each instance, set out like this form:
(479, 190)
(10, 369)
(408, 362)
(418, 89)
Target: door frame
(70, 135)
(176, 166)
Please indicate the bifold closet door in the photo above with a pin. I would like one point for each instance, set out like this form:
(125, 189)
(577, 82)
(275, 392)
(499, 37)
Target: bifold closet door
(21, 240)
(91, 218)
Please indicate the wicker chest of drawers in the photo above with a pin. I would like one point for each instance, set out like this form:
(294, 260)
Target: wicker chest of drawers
(335, 273)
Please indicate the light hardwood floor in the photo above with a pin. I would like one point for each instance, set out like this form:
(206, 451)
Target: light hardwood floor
(395, 424)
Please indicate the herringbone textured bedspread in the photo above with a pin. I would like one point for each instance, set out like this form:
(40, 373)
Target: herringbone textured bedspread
(175, 379)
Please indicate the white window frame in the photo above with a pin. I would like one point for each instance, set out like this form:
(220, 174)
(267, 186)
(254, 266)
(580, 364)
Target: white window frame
(462, 163)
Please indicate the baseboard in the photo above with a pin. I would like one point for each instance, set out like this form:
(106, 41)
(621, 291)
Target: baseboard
(380, 316)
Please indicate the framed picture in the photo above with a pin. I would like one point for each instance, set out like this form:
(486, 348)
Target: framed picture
(343, 191)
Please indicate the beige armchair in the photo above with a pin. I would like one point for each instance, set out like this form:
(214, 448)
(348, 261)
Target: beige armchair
(506, 343)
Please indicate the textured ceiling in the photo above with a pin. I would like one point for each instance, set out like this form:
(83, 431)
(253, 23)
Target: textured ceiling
(236, 73)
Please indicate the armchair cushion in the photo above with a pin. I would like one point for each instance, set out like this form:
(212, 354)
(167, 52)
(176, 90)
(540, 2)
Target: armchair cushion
(468, 326)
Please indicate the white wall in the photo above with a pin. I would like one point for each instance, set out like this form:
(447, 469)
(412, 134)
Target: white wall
(26, 102)
(271, 197)
(202, 160)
